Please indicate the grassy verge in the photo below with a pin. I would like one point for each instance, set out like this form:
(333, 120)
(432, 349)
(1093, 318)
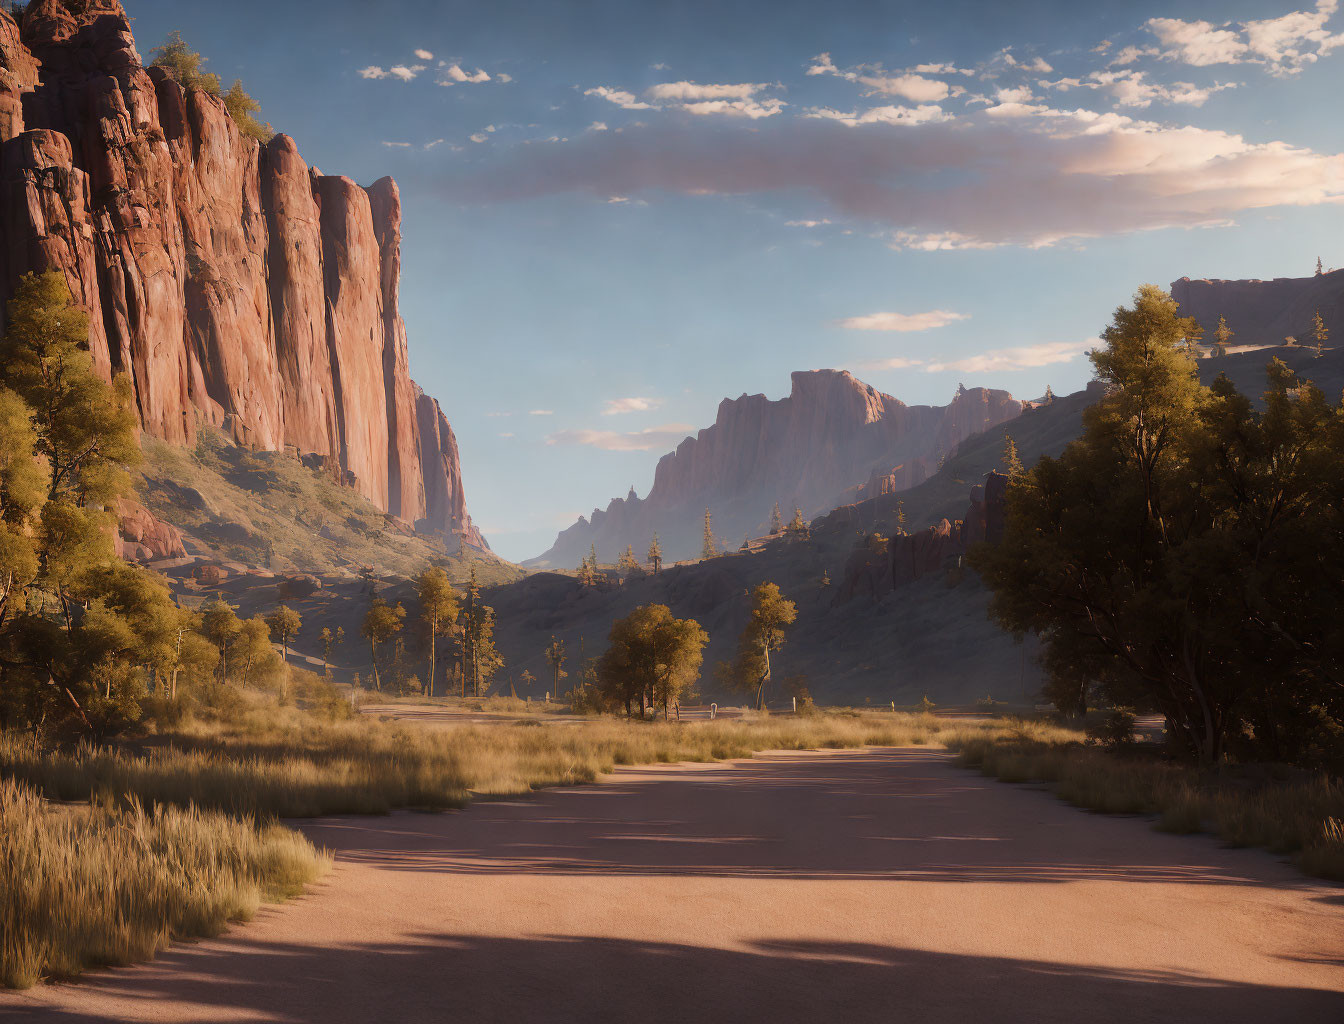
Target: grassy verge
(1304, 818)
(95, 885)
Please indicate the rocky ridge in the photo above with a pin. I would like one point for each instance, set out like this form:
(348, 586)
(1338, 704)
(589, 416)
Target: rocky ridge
(235, 285)
(813, 450)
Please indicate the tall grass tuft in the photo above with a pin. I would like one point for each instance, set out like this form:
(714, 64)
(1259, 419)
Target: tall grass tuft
(101, 885)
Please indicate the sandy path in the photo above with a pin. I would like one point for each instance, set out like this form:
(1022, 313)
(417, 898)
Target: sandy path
(847, 886)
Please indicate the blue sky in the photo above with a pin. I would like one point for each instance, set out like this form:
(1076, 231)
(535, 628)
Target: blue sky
(618, 213)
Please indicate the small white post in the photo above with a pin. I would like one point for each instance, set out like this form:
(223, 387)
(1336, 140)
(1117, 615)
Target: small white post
(795, 705)
(713, 710)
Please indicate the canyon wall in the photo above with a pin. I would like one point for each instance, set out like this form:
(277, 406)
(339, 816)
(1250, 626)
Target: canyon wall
(236, 286)
(1265, 312)
(831, 438)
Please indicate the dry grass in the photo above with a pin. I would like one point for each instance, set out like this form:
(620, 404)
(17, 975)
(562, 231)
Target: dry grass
(96, 885)
(1302, 818)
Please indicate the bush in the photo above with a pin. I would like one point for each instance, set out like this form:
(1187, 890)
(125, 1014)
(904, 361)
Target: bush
(1114, 731)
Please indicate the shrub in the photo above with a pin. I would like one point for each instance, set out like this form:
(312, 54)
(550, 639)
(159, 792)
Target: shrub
(1114, 731)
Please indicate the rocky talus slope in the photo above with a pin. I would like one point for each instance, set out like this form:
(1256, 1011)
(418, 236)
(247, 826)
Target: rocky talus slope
(237, 286)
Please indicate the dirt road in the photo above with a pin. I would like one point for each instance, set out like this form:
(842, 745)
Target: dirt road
(846, 886)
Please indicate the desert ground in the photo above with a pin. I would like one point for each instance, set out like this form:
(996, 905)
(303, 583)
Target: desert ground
(854, 886)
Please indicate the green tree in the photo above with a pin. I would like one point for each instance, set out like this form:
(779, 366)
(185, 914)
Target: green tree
(1321, 332)
(771, 615)
(555, 658)
(1011, 461)
(627, 564)
(1049, 395)
(184, 64)
(1222, 334)
(255, 658)
(382, 622)
(241, 108)
(1320, 267)
(797, 527)
(284, 624)
(655, 554)
(527, 679)
(776, 521)
(438, 611)
(220, 626)
(482, 659)
(1205, 584)
(329, 641)
(900, 516)
(74, 619)
(708, 549)
(652, 657)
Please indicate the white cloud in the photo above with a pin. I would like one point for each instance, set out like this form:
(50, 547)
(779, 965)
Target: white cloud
(372, 71)
(598, 126)
(1022, 358)
(541, 412)
(1284, 44)
(753, 109)
(823, 65)
(618, 96)
(806, 223)
(453, 74)
(506, 436)
(897, 363)
(478, 137)
(503, 77)
(904, 322)
(929, 113)
(618, 199)
(424, 55)
(397, 145)
(940, 69)
(915, 88)
(436, 142)
(1020, 94)
(618, 406)
(1132, 88)
(405, 73)
(686, 91)
(666, 436)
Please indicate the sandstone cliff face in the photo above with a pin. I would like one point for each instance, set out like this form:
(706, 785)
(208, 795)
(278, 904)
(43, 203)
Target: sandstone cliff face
(235, 286)
(1264, 312)
(811, 450)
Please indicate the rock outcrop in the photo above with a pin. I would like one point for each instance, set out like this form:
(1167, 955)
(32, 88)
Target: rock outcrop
(1264, 312)
(877, 566)
(142, 537)
(236, 286)
(812, 450)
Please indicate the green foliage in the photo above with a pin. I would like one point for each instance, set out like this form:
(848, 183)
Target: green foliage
(481, 658)
(771, 615)
(1012, 461)
(1222, 334)
(797, 528)
(1320, 332)
(80, 631)
(1114, 731)
(241, 107)
(284, 624)
(652, 658)
(776, 522)
(184, 64)
(555, 659)
(627, 565)
(438, 612)
(708, 548)
(381, 623)
(1182, 554)
(655, 555)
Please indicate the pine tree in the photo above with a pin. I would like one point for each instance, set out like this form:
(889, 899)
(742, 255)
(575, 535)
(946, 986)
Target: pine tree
(776, 521)
(1221, 334)
(1320, 267)
(1322, 333)
(900, 517)
(655, 555)
(797, 527)
(1012, 462)
(708, 549)
(1049, 395)
(627, 564)
(555, 658)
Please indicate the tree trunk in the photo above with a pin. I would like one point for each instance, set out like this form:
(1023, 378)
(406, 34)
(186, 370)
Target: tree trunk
(433, 634)
(373, 652)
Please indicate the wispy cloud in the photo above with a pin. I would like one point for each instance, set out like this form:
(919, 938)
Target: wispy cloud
(617, 406)
(666, 436)
(620, 97)
(541, 412)
(405, 73)
(1025, 357)
(373, 71)
(904, 322)
(454, 74)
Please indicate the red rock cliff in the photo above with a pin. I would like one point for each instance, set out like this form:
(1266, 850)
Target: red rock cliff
(811, 450)
(236, 286)
(1264, 312)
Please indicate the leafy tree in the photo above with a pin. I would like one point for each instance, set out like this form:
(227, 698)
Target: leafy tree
(330, 640)
(184, 64)
(527, 679)
(555, 658)
(771, 615)
(478, 630)
(1049, 395)
(1321, 332)
(1222, 334)
(655, 555)
(241, 107)
(588, 572)
(1182, 554)
(627, 564)
(438, 611)
(708, 549)
(284, 624)
(1011, 461)
(382, 622)
(255, 657)
(651, 657)
(79, 629)
(776, 521)
(797, 527)
(220, 626)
